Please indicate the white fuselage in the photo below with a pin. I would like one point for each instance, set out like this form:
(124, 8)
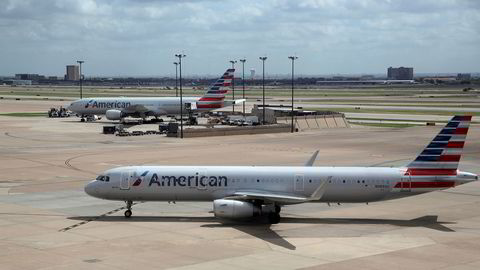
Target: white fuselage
(156, 106)
(208, 183)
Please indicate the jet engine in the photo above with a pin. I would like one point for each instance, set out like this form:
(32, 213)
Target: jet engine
(114, 115)
(235, 209)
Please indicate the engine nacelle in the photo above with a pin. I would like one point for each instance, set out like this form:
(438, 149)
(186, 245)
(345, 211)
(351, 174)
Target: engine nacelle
(114, 115)
(235, 209)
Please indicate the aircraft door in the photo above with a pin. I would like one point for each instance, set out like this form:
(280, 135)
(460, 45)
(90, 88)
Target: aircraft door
(126, 180)
(406, 183)
(299, 182)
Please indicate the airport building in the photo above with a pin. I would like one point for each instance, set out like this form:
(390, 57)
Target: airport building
(31, 77)
(400, 73)
(17, 82)
(73, 73)
(464, 76)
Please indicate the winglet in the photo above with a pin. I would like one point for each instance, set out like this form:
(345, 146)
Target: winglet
(310, 162)
(318, 193)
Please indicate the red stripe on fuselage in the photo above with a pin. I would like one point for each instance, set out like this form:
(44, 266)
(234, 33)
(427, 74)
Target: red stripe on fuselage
(417, 172)
(437, 184)
(211, 99)
(209, 106)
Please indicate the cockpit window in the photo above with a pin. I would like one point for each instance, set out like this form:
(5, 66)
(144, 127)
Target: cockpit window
(102, 178)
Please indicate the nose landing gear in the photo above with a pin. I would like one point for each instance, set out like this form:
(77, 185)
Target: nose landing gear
(128, 212)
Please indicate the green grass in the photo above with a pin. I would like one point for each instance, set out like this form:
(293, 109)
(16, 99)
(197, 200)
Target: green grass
(25, 114)
(385, 125)
(353, 110)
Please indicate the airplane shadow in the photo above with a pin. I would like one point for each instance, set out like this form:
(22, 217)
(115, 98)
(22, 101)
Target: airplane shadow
(260, 228)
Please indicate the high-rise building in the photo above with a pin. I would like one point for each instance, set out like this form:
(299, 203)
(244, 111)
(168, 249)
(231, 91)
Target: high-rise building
(73, 73)
(400, 73)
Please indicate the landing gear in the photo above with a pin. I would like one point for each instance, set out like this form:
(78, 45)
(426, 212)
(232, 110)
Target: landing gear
(273, 217)
(278, 208)
(128, 212)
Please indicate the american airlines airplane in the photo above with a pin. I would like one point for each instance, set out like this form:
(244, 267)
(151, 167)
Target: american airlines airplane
(247, 191)
(142, 107)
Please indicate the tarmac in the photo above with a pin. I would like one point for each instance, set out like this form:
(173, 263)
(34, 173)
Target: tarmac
(48, 222)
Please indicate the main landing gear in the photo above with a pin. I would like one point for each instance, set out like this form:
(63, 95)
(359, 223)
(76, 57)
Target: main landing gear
(274, 217)
(128, 212)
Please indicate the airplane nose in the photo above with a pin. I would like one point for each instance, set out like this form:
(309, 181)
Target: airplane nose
(92, 189)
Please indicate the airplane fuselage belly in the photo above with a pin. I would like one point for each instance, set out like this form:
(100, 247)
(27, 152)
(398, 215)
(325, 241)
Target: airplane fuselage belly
(153, 183)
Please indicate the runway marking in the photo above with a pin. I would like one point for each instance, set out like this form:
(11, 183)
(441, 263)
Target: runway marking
(70, 166)
(95, 218)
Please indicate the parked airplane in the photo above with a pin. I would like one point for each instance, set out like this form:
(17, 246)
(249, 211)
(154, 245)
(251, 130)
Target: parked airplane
(142, 107)
(248, 191)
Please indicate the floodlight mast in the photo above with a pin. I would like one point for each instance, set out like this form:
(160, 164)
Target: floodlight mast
(180, 56)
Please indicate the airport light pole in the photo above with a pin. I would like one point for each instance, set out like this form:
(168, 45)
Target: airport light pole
(243, 82)
(263, 58)
(176, 78)
(293, 58)
(180, 56)
(233, 85)
(81, 88)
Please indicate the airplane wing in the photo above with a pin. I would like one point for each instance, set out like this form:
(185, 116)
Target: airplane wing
(279, 197)
(143, 110)
(136, 109)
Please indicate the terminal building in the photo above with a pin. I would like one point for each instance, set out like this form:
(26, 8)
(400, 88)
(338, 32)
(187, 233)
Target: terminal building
(400, 73)
(73, 73)
(30, 77)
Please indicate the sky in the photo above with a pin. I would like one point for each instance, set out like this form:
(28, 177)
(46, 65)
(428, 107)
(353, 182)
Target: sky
(141, 37)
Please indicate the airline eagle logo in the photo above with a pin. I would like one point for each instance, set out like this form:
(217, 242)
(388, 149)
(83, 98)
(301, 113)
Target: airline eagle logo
(140, 179)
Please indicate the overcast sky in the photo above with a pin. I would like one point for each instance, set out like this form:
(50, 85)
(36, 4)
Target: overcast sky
(140, 37)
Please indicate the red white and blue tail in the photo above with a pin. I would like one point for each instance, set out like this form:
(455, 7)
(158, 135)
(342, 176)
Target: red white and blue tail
(215, 96)
(442, 154)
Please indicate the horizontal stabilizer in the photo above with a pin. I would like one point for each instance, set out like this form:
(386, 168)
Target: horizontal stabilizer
(234, 102)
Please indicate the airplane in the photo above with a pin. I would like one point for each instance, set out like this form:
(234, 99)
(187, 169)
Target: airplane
(242, 192)
(120, 107)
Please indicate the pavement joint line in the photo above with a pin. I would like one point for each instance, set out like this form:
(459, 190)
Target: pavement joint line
(94, 218)
(459, 193)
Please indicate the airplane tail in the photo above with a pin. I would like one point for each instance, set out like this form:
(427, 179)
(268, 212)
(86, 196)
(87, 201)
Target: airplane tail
(442, 154)
(215, 95)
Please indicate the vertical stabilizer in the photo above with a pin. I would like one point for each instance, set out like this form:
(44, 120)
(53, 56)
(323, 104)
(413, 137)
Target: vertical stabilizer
(215, 94)
(442, 154)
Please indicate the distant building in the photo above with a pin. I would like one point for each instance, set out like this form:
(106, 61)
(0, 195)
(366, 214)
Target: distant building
(17, 82)
(400, 73)
(31, 77)
(73, 73)
(367, 77)
(464, 77)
